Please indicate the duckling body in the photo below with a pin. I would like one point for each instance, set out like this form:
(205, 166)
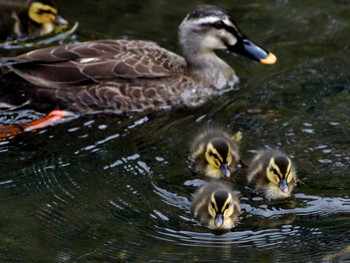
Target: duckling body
(129, 76)
(215, 153)
(37, 19)
(216, 206)
(272, 174)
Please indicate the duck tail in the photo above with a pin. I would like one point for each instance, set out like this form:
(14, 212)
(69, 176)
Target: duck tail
(6, 62)
(13, 91)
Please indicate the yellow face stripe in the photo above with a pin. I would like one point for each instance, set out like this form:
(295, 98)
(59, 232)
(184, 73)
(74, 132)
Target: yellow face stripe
(228, 157)
(288, 173)
(274, 173)
(226, 204)
(41, 13)
(224, 208)
(212, 156)
(213, 202)
(215, 158)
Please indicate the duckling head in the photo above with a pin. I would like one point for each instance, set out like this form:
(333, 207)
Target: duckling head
(279, 172)
(221, 208)
(44, 12)
(218, 156)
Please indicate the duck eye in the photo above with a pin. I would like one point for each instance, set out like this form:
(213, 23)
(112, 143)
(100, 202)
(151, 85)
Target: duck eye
(219, 25)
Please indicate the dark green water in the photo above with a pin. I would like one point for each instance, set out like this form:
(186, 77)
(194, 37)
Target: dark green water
(111, 189)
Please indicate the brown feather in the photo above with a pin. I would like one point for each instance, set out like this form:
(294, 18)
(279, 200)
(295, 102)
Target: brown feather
(123, 75)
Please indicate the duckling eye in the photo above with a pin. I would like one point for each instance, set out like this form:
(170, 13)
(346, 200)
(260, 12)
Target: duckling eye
(226, 207)
(42, 11)
(274, 171)
(215, 156)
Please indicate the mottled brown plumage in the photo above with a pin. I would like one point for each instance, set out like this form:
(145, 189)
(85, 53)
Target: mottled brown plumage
(126, 76)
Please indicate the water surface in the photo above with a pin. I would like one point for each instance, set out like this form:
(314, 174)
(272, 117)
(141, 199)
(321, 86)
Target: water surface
(111, 188)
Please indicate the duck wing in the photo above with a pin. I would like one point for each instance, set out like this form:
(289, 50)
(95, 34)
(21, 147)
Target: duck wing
(96, 62)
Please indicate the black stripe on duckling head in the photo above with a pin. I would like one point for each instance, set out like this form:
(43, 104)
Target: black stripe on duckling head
(221, 197)
(283, 163)
(281, 166)
(220, 200)
(218, 155)
(222, 148)
(45, 2)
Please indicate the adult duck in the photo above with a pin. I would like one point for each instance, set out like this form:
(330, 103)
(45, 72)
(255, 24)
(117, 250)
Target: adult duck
(128, 76)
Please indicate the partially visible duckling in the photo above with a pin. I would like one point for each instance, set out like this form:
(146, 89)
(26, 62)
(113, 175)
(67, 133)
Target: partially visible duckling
(215, 152)
(39, 18)
(272, 174)
(216, 206)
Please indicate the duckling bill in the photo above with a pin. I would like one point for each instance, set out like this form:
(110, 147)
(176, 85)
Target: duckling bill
(272, 174)
(37, 19)
(215, 153)
(216, 206)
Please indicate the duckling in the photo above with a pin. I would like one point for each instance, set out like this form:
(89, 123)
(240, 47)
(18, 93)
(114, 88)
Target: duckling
(272, 174)
(215, 153)
(216, 206)
(37, 19)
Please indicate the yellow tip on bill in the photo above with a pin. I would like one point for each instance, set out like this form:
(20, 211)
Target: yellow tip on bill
(271, 59)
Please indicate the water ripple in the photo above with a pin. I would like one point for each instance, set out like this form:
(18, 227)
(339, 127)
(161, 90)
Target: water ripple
(266, 238)
(269, 225)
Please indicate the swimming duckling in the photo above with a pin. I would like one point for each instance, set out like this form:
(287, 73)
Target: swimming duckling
(215, 152)
(271, 173)
(216, 206)
(37, 19)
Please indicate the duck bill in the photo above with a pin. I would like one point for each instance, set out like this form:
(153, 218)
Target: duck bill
(283, 186)
(225, 171)
(247, 48)
(61, 21)
(218, 220)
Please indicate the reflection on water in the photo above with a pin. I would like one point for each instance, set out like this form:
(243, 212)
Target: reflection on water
(108, 188)
(95, 194)
(59, 37)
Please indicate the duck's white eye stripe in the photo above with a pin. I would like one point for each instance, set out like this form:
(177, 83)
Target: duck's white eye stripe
(212, 20)
(228, 22)
(206, 20)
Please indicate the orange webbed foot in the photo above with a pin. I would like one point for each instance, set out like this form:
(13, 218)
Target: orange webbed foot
(9, 131)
